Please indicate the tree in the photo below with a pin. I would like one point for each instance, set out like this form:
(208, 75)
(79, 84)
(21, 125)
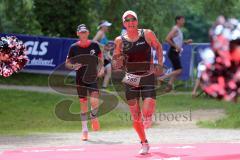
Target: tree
(17, 16)
(61, 17)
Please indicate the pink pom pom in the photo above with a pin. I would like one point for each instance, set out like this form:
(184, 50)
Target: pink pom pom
(13, 56)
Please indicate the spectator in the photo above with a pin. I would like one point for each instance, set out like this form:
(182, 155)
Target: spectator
(102, 39)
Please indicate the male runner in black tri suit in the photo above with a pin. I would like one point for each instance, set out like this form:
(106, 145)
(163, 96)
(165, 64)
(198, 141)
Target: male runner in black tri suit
(83, 57)
(135, 45)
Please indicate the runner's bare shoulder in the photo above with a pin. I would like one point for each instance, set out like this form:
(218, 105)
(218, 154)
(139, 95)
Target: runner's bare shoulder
(174, 30)
(147, 32)
(118, 41)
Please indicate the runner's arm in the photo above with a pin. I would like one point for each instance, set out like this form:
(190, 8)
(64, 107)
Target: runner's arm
(170, 36)
(97, 38)
(101, 64)
(117, 61)
(68, 63)
(153, 41)
(188, 41)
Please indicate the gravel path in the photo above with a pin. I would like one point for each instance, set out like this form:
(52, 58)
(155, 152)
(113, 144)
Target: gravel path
(155, 135)
(27, 88)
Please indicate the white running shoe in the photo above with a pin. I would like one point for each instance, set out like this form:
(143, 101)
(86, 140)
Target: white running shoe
(84, 136)
(145, 148)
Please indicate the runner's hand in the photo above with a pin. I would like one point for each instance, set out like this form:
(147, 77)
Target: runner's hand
(101, 72)
(189, 41)
(157, 70)
(117, 62)
(76, 66)
(178, 49)
(194, 94)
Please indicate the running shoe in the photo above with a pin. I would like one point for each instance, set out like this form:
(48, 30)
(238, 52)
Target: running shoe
(168, 88)
(95, 124)
(145, 148)
(85, 135)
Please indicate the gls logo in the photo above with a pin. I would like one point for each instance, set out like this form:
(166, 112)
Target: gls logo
(34, 48)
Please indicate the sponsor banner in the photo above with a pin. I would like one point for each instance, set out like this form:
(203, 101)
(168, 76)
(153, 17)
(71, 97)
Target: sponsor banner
(185, 57)
(46, 53)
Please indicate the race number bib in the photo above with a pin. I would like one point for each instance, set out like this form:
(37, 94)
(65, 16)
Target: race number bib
(132, 79)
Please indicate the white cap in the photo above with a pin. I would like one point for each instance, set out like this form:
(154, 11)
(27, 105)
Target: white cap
(129, 12)
(82, 28)
(104, 24)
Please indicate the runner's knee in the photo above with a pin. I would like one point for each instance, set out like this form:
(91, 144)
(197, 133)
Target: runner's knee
(179, 71)
(135, 110)
(83, 100)
(94, 99)
(84, 107)
(149, 105)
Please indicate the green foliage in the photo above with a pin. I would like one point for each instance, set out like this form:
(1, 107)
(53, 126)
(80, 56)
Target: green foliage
(17, 16)
(28, 79)
(60, 17)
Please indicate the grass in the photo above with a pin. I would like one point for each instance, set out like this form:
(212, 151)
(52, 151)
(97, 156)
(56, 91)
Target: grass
(183, 102)
(23, 112)
(26, 79)
(30, 79)
(232, 120)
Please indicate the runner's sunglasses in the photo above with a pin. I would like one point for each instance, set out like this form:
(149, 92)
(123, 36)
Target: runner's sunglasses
(130, 19)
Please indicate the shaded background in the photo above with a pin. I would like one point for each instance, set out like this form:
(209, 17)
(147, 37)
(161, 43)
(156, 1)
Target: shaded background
(59, 18)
